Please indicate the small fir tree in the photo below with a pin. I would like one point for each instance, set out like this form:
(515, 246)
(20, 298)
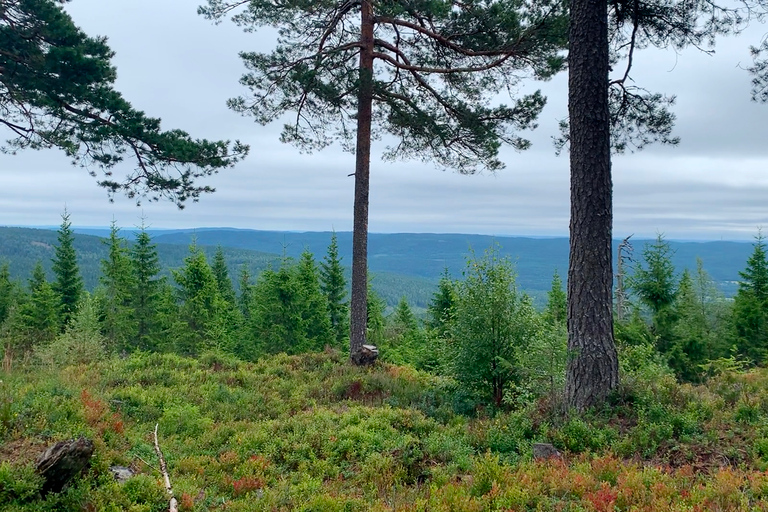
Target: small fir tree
(314, 304)
(67, 284)
(556, 312)
(221, 273)
(750, 306)
(82, 341)
(334, 287)
(202, 307)
(146, 292)
(655, 285)
(375, 321)
(8, 292)
(116, 294)
(277, 323)
(404, 317)
(491, 325)
(245, 297)
(38, 320)
(440, 309)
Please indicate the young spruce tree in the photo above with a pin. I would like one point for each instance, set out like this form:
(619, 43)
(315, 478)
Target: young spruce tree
(491, 325)
(750, 306)
(334, 287)
(116, 294)
(145, 296)
(67, 284)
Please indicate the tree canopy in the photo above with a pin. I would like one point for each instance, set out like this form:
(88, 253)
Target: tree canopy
(56, 90)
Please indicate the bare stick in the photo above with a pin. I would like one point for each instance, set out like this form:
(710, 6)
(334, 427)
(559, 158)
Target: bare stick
(174, 505)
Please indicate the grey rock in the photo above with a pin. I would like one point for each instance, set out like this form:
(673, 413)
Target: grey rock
(544, 451)
(121, 473)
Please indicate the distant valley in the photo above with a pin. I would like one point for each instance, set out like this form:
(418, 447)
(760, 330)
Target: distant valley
(402, 264)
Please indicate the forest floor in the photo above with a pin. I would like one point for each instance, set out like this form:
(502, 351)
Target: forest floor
(313, 433)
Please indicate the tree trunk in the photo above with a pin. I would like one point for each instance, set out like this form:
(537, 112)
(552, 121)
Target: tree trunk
(593, 369)
(359, 300)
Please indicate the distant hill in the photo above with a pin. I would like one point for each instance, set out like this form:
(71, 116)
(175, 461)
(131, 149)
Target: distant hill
(22, 248)
(426, 255)
(402, 264)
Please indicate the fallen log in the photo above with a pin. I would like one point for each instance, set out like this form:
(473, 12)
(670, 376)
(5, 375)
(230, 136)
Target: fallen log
(173, 505)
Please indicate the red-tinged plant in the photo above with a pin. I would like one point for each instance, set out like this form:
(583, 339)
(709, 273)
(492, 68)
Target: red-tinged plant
(246, 484)
(117, 424)
(94, 408)
(186, 503)
(603, 499)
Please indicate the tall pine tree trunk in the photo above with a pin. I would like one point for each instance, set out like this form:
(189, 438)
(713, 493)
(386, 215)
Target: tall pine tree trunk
(359, 299)
(593, 369)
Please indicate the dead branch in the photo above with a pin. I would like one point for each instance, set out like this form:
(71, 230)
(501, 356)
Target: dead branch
(173, 505)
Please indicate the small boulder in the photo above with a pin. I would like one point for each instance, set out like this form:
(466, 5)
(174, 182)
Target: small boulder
(121, 473)
(59, 463)
(545, 451)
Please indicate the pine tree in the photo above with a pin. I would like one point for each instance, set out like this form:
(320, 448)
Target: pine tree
(221, 273)
(750, 306)
(146, 293)
(68, 284)
(116, 294)
(334, 287)
(612, 112)
(57, 91)
(423, 72)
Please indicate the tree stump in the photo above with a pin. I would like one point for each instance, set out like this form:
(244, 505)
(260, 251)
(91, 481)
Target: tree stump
(367, 356)
(59, 463)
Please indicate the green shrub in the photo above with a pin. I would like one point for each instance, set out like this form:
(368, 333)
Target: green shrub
(184, 420)
(577, 435)
(146, 492)
(19, 484)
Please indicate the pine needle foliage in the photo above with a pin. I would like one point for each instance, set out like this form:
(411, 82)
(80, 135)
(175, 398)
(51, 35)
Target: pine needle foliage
(56, 90)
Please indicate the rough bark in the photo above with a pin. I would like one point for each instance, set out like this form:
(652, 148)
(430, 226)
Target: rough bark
(359, 299)
(63, 461)
(593, 363)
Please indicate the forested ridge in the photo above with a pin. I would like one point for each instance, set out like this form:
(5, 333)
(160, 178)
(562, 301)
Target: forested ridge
(21, 248)
(404, 264)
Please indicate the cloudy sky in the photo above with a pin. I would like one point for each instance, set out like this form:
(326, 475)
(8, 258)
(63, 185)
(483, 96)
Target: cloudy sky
(175, 65)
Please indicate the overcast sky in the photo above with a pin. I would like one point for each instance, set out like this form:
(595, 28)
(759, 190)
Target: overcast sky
(175, 65)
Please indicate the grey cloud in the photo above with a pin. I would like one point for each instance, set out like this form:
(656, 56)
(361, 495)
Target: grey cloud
(175, 65)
